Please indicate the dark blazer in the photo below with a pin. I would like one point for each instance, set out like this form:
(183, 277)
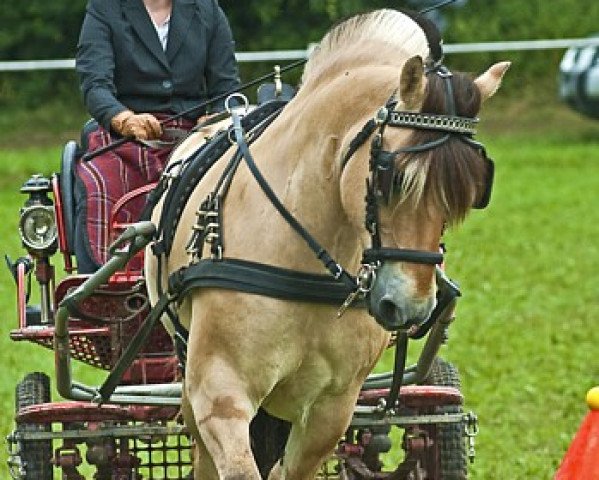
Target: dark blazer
(122, 65)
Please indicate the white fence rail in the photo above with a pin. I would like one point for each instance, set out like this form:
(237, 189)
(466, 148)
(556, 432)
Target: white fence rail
(521, 45)
(288, 55)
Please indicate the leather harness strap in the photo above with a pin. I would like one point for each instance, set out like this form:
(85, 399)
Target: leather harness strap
(181, 185)
(258, 278)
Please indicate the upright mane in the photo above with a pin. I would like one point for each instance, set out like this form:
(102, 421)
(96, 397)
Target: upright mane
(356, 36)
(451, 176)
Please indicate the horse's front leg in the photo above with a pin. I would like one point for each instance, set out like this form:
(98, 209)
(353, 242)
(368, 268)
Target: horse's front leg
(202, 461)
(221, 413)
(312, 440)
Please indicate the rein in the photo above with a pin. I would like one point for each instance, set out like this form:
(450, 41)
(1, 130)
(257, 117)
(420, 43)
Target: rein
(122, 141)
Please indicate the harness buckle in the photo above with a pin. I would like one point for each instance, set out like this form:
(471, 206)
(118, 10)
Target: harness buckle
(364, 282)
(339, 272)
(217, 252)
(366, 277)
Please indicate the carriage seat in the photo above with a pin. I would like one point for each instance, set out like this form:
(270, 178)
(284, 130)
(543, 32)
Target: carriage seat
(71, 194)
(72, 152)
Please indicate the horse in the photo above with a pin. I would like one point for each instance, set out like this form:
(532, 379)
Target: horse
(301, 361)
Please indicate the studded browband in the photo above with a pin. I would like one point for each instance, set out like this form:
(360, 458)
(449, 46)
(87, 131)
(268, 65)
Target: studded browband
(427, 121)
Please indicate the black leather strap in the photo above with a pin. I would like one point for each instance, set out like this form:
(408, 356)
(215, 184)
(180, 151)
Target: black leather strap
(402, 255)
(332, 266)
(260, 279)
(195, 169)
(399, 367)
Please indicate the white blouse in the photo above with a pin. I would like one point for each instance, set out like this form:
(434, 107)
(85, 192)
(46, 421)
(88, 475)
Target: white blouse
(162, 31)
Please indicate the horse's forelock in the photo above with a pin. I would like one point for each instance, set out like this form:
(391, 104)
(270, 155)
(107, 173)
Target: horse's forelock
(452, 175)
(386, 26)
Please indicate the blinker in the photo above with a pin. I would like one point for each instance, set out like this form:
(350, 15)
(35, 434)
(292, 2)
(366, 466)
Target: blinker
(387, 179)
(384, 174)
(484, 200)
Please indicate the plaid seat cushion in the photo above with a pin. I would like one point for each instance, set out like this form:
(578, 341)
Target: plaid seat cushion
(108, 177)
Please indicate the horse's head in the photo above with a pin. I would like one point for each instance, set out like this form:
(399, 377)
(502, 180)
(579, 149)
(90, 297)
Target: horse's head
(423, 172)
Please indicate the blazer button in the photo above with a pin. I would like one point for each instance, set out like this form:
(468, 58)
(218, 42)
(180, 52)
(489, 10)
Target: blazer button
(167, 84)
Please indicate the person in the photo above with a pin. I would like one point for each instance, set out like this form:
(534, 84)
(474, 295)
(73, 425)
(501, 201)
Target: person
(139, 63)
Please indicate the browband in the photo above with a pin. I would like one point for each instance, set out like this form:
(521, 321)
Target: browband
(428, 121)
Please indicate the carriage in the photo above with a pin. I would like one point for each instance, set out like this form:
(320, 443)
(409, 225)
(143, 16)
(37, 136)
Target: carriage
(137, 434)
(130, 427)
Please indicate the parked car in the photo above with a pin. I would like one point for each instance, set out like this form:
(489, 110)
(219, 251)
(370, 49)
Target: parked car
(579, 79)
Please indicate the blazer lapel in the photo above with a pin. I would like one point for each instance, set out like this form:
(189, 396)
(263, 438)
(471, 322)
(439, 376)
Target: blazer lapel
(141, 22)
(181, 20)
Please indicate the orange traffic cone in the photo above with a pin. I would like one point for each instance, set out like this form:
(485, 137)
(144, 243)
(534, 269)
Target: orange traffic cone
(581, 461)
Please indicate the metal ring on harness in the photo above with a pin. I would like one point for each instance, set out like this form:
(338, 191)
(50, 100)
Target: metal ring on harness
(244, 101)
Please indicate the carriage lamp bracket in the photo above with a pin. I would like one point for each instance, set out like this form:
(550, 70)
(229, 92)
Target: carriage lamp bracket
(471, 431)
(13, 267)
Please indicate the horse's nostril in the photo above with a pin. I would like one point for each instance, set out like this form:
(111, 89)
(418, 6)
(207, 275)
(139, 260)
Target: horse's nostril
(387, 309)
(390, 316)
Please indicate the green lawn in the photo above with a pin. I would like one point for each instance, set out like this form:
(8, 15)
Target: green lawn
(526, 336)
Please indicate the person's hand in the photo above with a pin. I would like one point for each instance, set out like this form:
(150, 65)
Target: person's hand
(142, 126)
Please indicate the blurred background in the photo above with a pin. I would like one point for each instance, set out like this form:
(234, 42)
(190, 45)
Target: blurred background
(526, 336)
(39, 30)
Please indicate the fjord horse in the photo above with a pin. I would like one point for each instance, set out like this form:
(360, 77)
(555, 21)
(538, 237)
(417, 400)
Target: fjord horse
(297, 359)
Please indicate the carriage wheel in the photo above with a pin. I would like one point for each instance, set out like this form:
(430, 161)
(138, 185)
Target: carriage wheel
(36, 456)
(449, 451)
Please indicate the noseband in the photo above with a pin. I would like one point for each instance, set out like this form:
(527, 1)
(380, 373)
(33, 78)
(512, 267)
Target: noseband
(383, 175)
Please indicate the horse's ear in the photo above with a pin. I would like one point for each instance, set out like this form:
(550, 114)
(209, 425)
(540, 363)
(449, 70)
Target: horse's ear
(411, 84)
(489, 82)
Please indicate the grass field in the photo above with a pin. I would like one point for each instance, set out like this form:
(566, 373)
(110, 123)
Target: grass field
(526, 336)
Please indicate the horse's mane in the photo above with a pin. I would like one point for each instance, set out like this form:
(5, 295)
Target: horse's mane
(391, 28)
(451, 176)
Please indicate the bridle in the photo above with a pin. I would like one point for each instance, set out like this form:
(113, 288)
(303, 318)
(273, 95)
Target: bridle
(385, 179)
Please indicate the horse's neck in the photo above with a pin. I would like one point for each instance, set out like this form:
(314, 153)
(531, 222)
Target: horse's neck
(307, 188)
(300, 157)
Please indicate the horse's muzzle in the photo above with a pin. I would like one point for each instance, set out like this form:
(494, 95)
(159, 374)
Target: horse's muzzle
(394, 317)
